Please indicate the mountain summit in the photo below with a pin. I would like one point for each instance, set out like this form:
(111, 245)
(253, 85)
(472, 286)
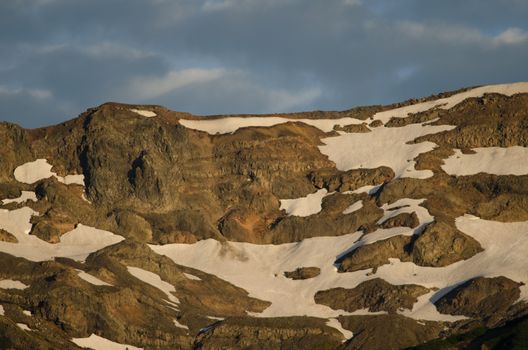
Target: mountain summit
(379, 227)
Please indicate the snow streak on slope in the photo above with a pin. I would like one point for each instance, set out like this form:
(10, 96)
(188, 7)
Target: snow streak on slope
(304, 206)
(144, 113)
(491, 160)
(382, 147)
(11, 284)
(40, 169)
(76, 244)
(155, 281)
(96, 342)
(353, 207)
(91, 279)
(232, 124)
(450, 102)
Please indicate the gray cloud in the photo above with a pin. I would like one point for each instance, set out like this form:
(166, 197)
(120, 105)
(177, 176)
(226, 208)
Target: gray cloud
(230, 56)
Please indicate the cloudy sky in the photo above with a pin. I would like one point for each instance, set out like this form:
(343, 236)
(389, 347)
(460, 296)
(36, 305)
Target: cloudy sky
(59, 57)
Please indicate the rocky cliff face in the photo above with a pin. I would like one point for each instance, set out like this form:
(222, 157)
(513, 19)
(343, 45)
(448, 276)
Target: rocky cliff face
(164, 230)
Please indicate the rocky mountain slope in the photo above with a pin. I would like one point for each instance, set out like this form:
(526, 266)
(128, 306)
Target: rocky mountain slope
(381, 227)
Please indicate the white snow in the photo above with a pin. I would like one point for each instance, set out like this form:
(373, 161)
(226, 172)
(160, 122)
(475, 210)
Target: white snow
(192, 277)
(334, 322)
(25, 196)
(144, 113)
(76, 244)
(91, 279)
(382, 147)
(23, 326)
(2, 311)
(258, 268)
(71, 179)
(406, 205)
(96, 342)
(155, 281)
(353, 207)
(232, 124)
(12, 284)
(304, 206)
(179, 325)
(491, 160)
(27, 312)
(40, 169)
(450, 102)
(32, 172)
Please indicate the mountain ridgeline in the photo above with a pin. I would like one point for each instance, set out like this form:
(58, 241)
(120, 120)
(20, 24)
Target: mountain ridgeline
(379, 227)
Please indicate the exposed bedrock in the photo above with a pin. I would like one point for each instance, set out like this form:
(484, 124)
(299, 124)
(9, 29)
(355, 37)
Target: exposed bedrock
(374, 295)
(342, 181)
(269, 333)
(440, 244)
(393, 331)
(489, 299)
(303, 273)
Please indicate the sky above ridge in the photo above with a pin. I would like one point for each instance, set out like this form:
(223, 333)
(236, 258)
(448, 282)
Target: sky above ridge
(60, 57)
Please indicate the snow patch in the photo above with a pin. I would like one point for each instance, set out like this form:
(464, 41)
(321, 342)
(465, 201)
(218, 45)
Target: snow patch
(23, 326)
(76, 244)
(12, 284)
(144, 113)
(25, 196)
(96, 342)
(155, 281)
(27, 313)
(2, 311)
(490, 160)
(304, 206)
(231, 124)
(40, 169)
(179, 325)
(91, 279)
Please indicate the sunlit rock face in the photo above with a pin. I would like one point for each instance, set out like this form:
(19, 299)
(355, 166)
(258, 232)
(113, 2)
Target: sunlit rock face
(143, 228)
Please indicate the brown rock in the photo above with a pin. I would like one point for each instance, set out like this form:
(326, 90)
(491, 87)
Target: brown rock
(485, 298)
(303, 273)
(401, 220)
(374, 295)
(7, 237)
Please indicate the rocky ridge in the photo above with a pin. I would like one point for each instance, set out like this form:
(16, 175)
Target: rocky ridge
(82, 230)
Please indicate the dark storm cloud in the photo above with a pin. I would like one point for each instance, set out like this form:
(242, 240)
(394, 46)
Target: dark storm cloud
(59, 57)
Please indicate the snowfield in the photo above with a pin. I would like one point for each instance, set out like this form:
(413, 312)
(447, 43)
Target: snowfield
(96, 342)
(259, 268)
(382, 147)
(490, 160)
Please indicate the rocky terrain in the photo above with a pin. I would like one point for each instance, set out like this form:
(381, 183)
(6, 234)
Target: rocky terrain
(380, 227)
